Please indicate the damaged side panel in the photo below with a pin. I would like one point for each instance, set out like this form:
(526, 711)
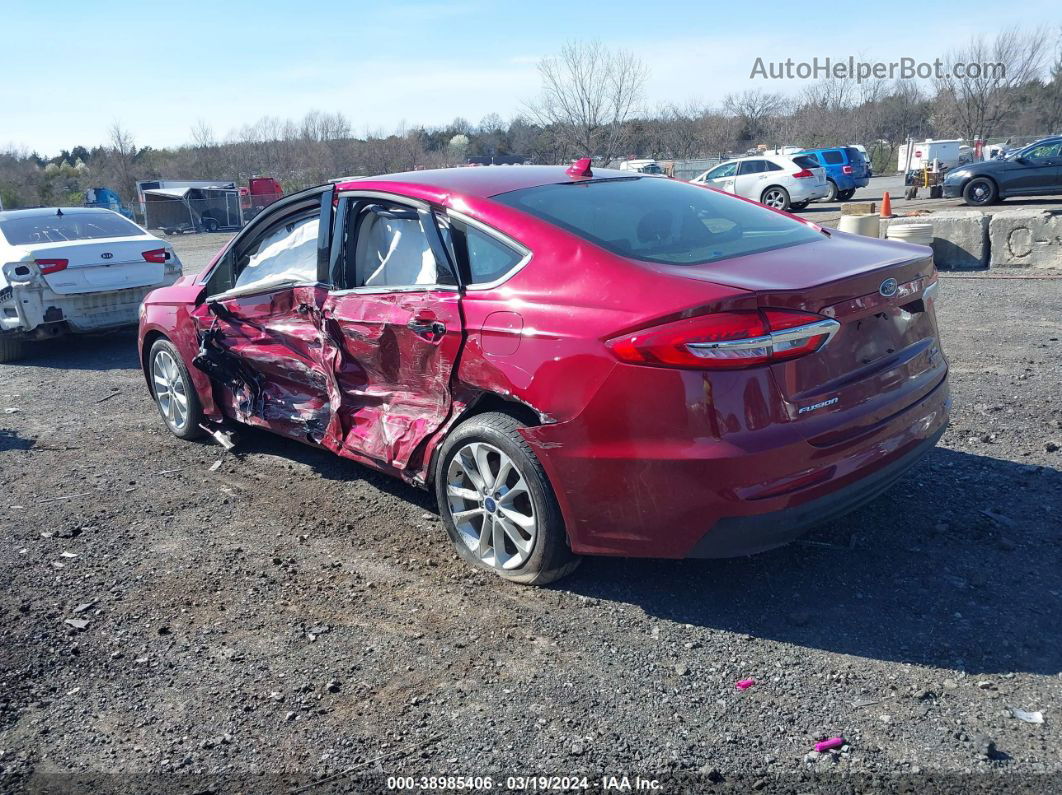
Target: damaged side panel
(364, 375)
(397, 354)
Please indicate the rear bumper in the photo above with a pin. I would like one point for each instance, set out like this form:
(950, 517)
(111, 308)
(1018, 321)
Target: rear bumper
(650, 471)
(33, 306)
(748, 535)
(801, 193)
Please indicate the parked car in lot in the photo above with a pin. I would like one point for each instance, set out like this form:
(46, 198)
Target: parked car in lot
(74, 269)
(846, 170)
(784, 182)
(575, 362)
(1033, 170)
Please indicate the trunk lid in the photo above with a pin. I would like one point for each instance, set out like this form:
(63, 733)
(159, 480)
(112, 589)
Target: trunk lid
(884, 356)
(101, 265)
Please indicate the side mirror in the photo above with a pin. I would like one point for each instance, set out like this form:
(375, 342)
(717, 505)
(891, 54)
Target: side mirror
(1021, 159)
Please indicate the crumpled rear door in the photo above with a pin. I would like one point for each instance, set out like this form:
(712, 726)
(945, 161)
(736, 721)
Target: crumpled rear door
(397, 353)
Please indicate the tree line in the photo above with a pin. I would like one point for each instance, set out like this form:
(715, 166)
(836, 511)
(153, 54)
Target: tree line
(592, 102)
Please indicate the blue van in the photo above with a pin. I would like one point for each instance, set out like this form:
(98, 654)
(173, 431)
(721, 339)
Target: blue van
(846, 170)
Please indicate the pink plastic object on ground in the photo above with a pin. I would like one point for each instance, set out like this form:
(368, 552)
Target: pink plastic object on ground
(745, 684)
(826, 745)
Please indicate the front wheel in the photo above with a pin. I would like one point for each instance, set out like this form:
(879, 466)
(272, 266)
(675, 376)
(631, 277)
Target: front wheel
(980, 191)
(776, 198)
(173, 390)
(497, 504)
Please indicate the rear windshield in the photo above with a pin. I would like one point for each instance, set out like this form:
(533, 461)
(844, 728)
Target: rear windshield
(854, 155)
(661, 220)
(806, 161)
(29, 229)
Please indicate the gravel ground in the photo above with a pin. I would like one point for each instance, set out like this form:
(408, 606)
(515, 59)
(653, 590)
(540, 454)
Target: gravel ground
(288, 615)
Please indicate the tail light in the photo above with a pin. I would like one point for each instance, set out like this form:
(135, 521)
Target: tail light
(804, 173)
(846, 169)
(727, 340)
(158, 255)
(51, 265)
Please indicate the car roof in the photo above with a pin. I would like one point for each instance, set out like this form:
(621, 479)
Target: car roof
(6, 215)
(483, 181)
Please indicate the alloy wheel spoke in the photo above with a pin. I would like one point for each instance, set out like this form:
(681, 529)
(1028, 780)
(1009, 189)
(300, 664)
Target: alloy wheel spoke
(504, 468)
(465, 494)
(486, 535)
(523, 545)
(525, 521)
(467, 462)
(481, 453)
(500, 555)
(460, 516)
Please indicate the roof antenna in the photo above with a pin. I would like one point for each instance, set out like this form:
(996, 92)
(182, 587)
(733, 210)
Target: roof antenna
(580, 168)
(59, 211)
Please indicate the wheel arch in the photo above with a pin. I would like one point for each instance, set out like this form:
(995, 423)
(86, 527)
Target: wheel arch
(150, 338)
(483, 403)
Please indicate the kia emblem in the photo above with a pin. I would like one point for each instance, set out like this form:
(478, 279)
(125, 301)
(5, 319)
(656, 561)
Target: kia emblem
(106, 255)
(888, 288)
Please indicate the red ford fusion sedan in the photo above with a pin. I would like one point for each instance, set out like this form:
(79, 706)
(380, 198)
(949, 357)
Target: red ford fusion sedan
(577, 362)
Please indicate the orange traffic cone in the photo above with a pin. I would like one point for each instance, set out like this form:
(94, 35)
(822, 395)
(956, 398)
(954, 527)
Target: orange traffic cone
(886, 205)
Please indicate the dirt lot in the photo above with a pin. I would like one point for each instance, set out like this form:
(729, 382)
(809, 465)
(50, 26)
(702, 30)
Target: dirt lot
(290, 615)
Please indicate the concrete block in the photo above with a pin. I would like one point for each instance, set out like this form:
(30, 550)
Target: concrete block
(1026, 238)
(960, 237)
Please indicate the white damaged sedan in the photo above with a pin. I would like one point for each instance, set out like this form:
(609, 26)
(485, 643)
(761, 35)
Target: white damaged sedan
(74, 270)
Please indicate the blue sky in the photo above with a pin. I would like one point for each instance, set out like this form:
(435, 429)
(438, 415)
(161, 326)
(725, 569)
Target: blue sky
(159, 67)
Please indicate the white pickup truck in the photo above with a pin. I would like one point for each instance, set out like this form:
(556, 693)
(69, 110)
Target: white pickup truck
(74, 270)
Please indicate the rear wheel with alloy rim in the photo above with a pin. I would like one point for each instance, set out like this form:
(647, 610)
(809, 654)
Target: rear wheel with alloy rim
(776, 198)
(980, 191)
(497, 503)
(174, 394)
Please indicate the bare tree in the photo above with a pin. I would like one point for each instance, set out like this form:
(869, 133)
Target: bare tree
(974, 106)
(121, 154)
(589, 92)
(754, 110)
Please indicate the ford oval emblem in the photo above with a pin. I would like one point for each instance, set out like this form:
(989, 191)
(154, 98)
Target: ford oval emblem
(888, 288)
(106, 255)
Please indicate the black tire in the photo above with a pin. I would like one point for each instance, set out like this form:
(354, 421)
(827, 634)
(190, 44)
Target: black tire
(980, 192)
(798, 206)
(210, 224)
(189, 429)
(831, 191)
(782, 203)
(845, 195)
(548, 557)
(11, 348)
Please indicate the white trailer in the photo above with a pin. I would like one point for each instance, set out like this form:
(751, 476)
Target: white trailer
(921, 154)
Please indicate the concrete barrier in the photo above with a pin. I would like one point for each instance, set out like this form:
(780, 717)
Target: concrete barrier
(960, 238)
(1026, 238)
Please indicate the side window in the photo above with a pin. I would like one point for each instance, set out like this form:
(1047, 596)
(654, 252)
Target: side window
(832, 157)
(284, 254)
(484, 257)
(772, 166)
(751, 167)
(1043, 152)
(726, 170)
(390, 248)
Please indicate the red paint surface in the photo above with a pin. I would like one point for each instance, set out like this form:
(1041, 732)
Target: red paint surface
(644, 460)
